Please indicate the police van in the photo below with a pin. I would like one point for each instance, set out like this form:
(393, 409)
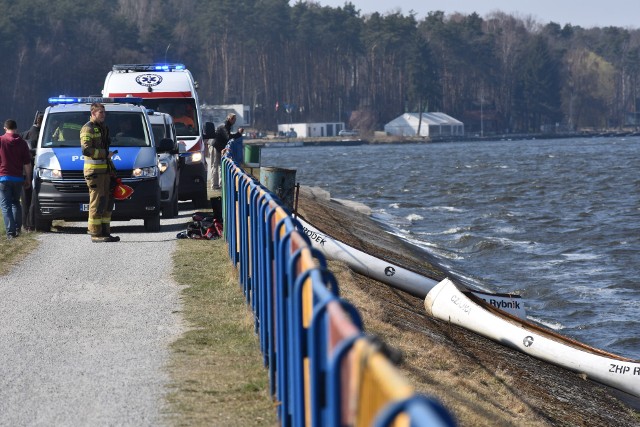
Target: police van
(60, 191)
(171, 89)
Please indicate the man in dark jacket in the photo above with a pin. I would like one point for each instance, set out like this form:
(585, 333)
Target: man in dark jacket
(31, 136)
(15, 173)
(223, 135)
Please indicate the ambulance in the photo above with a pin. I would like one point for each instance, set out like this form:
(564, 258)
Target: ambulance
(171, 89)
(59, 189)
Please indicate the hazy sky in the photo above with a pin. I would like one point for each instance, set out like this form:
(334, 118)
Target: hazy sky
(585, 13)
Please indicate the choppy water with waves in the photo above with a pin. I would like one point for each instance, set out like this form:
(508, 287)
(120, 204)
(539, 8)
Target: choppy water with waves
(556, 221)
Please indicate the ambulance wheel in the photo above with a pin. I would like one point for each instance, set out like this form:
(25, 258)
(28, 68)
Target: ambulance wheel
(152, 223)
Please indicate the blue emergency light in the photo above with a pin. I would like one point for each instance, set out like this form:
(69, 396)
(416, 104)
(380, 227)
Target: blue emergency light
(91, 99)
(148, 67)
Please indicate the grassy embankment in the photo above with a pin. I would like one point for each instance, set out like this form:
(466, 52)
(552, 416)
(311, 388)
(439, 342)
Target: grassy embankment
(12, 251)
(216, 368)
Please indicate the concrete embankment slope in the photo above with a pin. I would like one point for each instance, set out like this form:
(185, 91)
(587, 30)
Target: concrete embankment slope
(480, 381)
(85, 329)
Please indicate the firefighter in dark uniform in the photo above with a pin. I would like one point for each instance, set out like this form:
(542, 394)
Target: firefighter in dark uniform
(94, 138)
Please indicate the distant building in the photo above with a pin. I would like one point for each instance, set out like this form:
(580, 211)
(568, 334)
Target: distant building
(433, 125)
(311, 130)
(217, 114)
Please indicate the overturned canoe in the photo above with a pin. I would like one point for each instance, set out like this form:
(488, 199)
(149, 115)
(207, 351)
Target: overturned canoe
(454, 303)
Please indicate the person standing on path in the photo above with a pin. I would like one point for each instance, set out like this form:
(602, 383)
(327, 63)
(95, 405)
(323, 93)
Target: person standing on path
(15, 173)
(223, 135)
(94, 139)
(31, 136)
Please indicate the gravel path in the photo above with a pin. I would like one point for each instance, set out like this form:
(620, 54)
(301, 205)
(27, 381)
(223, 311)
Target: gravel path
(80, 346)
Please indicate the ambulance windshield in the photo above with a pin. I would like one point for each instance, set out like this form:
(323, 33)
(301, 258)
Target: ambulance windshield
(183, 111)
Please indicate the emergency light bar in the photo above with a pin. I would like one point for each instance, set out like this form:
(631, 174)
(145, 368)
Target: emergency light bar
(149, 67)
(91, 99)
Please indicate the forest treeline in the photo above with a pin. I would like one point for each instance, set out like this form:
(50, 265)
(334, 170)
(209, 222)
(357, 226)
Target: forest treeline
(499, 73)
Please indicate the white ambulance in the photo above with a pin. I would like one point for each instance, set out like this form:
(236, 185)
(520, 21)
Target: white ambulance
(171, 89)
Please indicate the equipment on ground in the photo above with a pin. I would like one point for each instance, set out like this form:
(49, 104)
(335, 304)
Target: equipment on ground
(204, 226)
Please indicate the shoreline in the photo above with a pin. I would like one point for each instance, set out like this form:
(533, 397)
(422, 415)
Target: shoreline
(480, 381)
(279, 142)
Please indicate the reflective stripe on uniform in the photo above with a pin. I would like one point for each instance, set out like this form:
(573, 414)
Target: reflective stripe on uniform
(95, 221)
(95, 162)
(101, 166)
(73, 126)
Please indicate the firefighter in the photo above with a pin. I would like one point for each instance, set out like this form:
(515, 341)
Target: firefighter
(67, 132)
(94, 138)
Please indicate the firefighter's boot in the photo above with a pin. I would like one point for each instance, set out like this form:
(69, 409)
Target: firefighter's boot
(106, 234)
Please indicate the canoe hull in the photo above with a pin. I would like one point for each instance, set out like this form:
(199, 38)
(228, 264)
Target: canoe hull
(448, 302)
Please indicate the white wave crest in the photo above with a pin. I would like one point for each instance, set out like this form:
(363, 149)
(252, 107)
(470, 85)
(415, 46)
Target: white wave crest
(556, 326)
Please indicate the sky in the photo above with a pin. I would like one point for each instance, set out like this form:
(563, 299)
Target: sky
(585, 13)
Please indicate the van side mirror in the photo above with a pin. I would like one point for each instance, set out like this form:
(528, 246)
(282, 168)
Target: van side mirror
(165, 145)
(209, 130)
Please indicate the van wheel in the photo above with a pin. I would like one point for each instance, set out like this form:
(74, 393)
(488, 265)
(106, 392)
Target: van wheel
(174, 205)
(152, 224)
(42, 224)
(170, 210)
(167, 211)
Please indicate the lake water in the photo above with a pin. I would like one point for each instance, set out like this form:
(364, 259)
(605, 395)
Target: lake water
(556, 221)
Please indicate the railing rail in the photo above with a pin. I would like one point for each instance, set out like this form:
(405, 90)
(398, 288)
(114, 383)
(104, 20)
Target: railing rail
(323, 369)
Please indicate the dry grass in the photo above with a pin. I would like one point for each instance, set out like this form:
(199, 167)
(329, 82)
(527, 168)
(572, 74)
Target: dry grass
(476, 395)
(218, 378)
(12, 251)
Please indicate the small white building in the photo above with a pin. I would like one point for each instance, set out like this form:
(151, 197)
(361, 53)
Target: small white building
(311, 130)
(433, 125)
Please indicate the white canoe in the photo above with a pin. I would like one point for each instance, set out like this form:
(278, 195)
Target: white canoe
(395, 275)
(453, 303)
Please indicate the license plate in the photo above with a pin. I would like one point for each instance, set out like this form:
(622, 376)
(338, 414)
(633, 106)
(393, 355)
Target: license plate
(84, 207)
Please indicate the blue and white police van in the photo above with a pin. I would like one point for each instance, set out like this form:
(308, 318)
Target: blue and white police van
(60, 191)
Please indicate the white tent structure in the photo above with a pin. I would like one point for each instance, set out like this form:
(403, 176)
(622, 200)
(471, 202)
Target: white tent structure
(433, 125)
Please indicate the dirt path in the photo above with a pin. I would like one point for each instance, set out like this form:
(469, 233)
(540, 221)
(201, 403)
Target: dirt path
(81, 346)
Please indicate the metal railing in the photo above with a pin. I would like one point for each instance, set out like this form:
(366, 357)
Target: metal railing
(323, 369)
